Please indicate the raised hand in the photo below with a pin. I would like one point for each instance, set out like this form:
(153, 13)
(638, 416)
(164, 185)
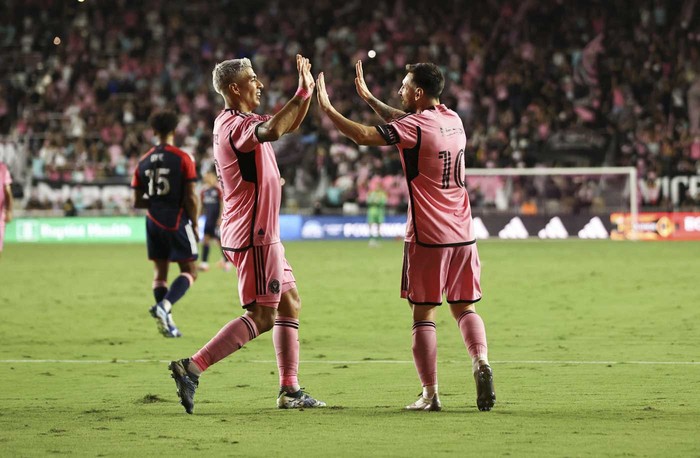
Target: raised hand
(306, 79)
(360, 85)
(384, 111)
(321, 93)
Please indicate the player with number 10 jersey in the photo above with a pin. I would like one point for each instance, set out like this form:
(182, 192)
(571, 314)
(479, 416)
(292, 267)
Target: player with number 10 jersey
(432, 145)
(440, 255)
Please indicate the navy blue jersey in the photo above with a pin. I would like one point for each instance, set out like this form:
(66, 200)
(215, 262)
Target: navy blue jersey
(161, 176)
(211, 203)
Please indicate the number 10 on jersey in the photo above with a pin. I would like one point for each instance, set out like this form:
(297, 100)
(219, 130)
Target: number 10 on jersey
(446, 157)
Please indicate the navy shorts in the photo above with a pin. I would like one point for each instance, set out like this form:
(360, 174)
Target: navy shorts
(210, 228)
(179, 245)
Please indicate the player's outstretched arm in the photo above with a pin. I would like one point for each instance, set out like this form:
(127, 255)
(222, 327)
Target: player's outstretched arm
(292, 114)
(384, 111)
(359, 133)
(306, 74)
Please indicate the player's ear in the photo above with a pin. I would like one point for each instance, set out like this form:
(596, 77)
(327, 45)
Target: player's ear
(418, 93)
(234, 88)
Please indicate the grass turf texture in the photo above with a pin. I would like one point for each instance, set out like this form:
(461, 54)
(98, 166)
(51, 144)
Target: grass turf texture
(569, 301)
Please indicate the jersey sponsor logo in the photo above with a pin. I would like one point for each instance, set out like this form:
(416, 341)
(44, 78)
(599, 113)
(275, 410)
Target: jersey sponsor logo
(553, 230)
(515, 229)
(594, 229)
(274, 286)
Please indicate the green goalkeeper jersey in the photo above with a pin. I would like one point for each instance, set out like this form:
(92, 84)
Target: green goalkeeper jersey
(376, 206)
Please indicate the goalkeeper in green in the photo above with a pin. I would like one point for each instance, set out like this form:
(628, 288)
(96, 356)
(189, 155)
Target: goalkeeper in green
(376, 211)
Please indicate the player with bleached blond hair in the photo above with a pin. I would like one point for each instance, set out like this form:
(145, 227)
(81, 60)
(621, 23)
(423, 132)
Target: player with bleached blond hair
(250, 234)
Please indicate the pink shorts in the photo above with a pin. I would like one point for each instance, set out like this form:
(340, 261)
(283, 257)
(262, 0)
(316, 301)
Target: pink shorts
(428, 272)
(263, 274)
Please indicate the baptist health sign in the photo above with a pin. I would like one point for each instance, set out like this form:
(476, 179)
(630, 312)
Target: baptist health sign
(78, 230)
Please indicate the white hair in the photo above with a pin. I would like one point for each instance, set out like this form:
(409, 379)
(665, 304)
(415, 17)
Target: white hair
(226, 72)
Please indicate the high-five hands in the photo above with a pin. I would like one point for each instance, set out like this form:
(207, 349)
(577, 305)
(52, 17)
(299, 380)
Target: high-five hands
(360, 85)
(306, 79)
(321, 93)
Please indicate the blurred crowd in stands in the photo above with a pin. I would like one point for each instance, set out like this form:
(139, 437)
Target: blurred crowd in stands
(537, 83)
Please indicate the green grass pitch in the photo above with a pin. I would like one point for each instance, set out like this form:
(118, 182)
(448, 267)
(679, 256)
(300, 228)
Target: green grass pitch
(595, 347)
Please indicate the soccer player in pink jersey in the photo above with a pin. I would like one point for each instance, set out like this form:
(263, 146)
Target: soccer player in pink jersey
(440, 255)
(250, 236)
(6, 201)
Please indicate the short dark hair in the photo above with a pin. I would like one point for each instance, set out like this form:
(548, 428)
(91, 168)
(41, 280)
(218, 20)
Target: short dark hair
(428, 77)
(163, 122)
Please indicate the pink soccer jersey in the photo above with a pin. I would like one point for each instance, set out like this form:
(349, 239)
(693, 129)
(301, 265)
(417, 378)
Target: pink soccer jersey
(250, 181)
(431, 145)
(5, 179)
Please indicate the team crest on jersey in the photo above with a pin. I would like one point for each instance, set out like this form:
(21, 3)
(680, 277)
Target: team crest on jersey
(274, 286)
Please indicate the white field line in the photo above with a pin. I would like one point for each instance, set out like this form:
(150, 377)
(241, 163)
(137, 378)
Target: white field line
(369, 361)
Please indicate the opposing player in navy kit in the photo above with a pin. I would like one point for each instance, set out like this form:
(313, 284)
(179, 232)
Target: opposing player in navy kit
(211, 197)
(164, 183)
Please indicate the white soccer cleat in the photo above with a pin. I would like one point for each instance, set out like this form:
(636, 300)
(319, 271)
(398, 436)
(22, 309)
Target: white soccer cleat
(431, 405)
(172, 328)
(164, 321)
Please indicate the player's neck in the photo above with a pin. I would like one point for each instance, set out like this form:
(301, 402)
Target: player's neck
(167, 140)
(429, 104)
(238, 105)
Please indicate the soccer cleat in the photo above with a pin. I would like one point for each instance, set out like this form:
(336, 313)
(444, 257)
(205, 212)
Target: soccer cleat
(485, 394)
(164, 321)
(431, 405)
(186, 383)
(298, 400)
(172, 329)
(204, 267)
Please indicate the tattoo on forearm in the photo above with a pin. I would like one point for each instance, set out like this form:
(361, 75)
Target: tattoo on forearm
(384, 111)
